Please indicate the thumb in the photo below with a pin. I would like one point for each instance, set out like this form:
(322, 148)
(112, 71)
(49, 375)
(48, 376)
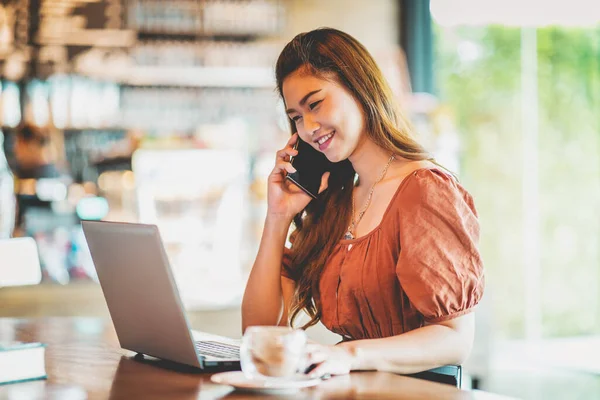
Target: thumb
(324, 182)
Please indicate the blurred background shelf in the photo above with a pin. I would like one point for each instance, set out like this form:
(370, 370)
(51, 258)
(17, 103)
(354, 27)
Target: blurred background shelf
(156, 76)
(199, 37)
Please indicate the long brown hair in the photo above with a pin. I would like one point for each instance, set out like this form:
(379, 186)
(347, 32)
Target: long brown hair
(328, 53)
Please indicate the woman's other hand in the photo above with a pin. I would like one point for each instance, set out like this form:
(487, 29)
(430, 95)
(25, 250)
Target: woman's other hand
(329, 360)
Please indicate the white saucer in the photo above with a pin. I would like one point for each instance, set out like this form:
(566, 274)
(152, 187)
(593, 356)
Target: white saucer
(238, 380)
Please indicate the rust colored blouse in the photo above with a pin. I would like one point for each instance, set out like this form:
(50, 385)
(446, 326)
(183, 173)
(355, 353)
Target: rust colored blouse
(421, 264)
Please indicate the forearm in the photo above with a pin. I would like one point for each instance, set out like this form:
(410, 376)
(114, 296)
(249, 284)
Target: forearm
(263, 301)
(421, 349)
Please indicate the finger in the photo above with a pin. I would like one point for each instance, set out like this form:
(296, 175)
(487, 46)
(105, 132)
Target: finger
(324, 181)
(321, 370)
(278, 174)
(292, 140)
(284, 166)
(292, 188)
(285, 154)
(314, 360)
(315, 357)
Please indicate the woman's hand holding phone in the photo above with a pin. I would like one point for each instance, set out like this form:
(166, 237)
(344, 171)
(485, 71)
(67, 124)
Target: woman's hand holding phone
(284, 198)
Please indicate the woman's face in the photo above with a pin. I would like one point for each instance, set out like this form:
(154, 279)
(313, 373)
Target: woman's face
(325, 114)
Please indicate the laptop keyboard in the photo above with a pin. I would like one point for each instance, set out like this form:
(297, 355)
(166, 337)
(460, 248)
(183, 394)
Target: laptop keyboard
(219, 350)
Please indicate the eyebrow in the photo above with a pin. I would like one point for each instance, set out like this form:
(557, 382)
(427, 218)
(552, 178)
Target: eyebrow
(291, 110)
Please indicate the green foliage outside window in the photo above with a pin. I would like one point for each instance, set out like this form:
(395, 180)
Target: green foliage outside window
(478, 74)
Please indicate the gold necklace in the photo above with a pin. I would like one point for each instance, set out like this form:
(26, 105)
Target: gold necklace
(354, 222)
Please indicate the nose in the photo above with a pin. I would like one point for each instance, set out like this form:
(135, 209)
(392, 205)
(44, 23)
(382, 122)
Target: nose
(310, 125)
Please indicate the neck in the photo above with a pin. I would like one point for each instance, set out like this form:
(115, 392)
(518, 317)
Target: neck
(368, 160)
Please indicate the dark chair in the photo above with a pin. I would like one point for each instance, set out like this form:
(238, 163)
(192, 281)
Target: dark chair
(448, 374)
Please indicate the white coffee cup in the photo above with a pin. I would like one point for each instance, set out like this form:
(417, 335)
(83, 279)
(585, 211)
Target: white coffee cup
(273, 352)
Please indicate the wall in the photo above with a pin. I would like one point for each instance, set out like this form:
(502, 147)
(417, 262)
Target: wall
(374, 23)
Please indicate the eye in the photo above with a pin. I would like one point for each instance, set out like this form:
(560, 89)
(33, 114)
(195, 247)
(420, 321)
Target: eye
(296, 118)
(312, 106)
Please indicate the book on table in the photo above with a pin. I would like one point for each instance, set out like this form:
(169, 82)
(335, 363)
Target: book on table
(21, 362)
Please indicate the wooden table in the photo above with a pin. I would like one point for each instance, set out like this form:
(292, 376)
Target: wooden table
(84, 360)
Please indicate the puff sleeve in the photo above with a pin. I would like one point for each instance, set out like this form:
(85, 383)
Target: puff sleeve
(439, 266)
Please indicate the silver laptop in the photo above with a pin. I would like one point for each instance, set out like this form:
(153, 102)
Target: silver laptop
(143, 300)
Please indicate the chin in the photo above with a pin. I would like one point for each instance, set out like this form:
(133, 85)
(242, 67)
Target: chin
(335, 157)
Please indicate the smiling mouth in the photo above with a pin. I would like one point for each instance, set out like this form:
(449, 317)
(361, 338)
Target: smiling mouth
(324, 138)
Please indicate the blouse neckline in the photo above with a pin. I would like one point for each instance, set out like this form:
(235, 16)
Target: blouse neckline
(389, 206)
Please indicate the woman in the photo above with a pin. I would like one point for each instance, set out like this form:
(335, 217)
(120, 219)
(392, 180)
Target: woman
(389, 260)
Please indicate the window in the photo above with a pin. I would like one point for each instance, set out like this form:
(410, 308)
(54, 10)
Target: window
(526, 101)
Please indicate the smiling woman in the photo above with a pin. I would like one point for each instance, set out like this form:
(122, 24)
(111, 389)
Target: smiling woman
(398, 277)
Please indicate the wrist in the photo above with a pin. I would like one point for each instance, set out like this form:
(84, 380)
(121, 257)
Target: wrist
(277, 223)
(356, 354)
(278, 220)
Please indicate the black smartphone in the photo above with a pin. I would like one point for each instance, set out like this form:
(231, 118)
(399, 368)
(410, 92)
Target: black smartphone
(310, 165)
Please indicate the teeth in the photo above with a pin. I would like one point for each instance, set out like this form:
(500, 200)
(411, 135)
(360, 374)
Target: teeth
(325, 138)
